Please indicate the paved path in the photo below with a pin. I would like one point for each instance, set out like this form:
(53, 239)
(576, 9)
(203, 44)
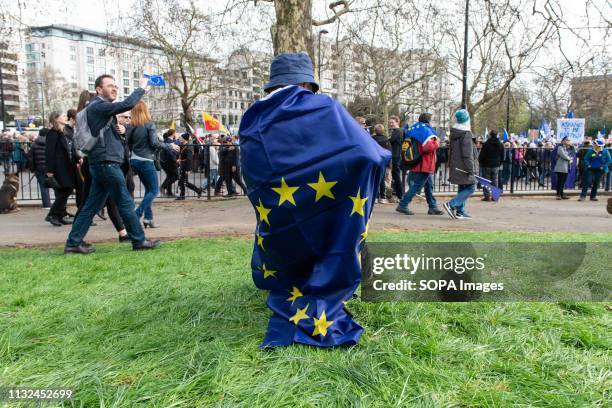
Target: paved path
(236, 217)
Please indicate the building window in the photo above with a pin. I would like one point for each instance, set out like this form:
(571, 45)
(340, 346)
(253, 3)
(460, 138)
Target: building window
(90, 68)
(90, 59)
(101, 52)
(72, 57)
(126, 74)
(91, 78)
(113, 72)
(126, 91)
(136, 84)
(136, 75)
(91, 87)
(90, 50)
(72, 48)
(126, 82)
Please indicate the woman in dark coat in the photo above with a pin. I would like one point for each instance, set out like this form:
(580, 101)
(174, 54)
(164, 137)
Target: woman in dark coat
(60, 161)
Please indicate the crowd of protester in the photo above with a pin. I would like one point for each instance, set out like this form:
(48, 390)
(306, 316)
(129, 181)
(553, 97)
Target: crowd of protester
(463, 155)
(142, 151)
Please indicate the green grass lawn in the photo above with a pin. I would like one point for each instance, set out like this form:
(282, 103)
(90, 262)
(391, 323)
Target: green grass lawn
(181, 327)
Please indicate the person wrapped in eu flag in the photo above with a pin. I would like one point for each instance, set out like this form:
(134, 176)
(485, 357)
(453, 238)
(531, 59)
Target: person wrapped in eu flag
(312, 176)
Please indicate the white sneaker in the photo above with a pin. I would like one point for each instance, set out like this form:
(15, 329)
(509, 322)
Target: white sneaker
(420, 196)
(46, 208)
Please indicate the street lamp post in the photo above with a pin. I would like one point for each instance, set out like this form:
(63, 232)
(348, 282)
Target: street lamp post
(465, 55)
(508, 111)
(2, 93)
(42, 101)
(321, 32)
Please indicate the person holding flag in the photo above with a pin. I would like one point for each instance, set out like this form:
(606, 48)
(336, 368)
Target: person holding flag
(422, 173)
(312, 176)
(463, 164)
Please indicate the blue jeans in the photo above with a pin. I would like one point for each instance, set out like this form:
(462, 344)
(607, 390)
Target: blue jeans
(106, 179)
(418, 181)
(44, 191)
(214, 173)
(464, 192)
(147, 173)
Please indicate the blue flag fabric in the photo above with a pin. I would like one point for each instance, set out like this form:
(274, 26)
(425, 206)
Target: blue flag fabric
(419, 131)
(312, 175)
(495, 191)
(155, 80)
(544, 129)
(506, 138)
(570, 115)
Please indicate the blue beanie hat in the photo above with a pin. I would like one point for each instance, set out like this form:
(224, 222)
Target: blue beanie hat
(291, 69)
(462, 116)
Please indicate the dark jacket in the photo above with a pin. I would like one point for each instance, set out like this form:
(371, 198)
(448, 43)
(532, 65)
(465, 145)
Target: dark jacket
(492, 153)
(38, 153)
(462, 161)
(110, 148)
(168, 156)
(227, 159)
(60, 159)
(396, 143)
(143, 141)
(383, 141)
(186, 158)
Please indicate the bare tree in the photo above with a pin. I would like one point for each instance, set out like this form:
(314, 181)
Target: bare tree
(292, 30)
(388, 65)
(181, 31)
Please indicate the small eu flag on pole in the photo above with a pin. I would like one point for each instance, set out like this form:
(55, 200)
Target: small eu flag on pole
(496, 192)
(155, 80)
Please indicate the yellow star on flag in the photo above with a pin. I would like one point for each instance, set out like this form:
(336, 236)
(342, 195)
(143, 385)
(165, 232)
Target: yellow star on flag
(267, 272)
(299, 315)
(295, 293)
(286, 192)
(323, 188)
(358, 203)
(263, 212)
(364, 234)
(260, 241)
(321, 325)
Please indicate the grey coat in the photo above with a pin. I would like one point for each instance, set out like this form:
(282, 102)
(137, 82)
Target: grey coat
(563, 160)
(462, 155)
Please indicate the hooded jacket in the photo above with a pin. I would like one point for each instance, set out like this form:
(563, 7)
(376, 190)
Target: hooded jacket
(462, 161)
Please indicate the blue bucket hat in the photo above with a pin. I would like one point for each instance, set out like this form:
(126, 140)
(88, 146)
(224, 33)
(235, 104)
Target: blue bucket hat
(462, 116)
(600, 142)
(291, 69)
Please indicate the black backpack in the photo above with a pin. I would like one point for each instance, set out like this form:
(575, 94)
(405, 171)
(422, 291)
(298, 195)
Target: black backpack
(411, 155)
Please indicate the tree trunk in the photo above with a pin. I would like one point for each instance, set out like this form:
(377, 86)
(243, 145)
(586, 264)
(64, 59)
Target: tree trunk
(293, 29)
(187, 114)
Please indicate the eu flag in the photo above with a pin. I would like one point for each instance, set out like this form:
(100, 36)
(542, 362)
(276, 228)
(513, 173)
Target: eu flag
(495, 191)
(419, 131)
(155, 80)
(312, 176)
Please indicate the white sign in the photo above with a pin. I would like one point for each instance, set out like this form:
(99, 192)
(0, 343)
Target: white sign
(571, 128)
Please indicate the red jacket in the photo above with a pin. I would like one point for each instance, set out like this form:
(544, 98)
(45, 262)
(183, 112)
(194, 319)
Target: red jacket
(428, 161)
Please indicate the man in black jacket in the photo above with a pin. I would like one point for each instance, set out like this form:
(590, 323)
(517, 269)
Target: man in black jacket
(37, 165)
(490, 159)
(105, 161)
(227, 160)
(185, 162)
(396, 156)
